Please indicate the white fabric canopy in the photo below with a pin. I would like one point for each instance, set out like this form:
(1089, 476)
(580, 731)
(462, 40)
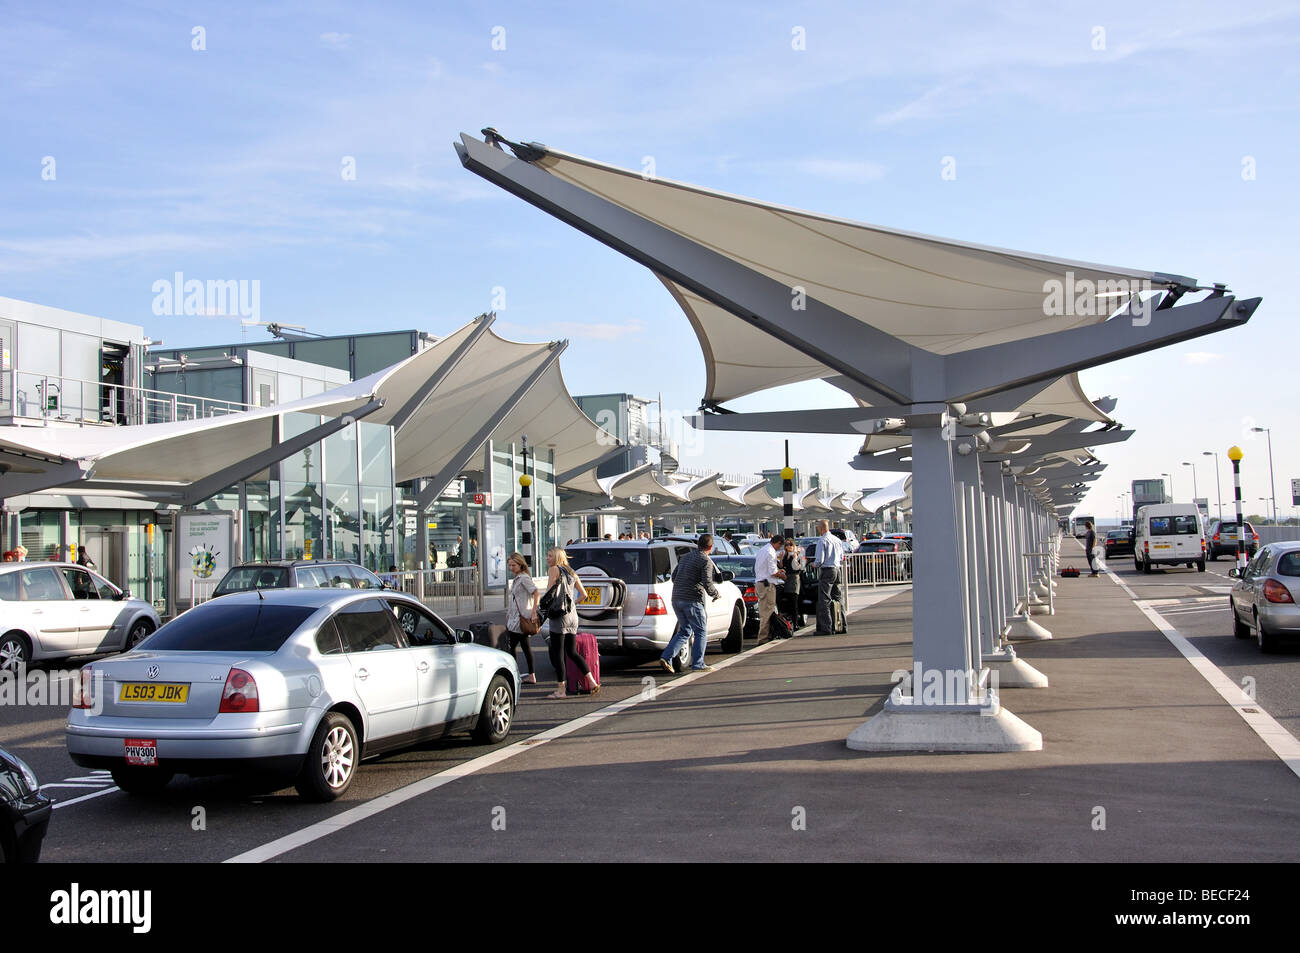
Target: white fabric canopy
(939, 294)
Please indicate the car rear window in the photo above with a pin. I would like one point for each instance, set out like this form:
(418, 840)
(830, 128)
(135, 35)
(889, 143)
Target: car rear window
(630, 565)
(1174, 526)
(878, 547)
(243, 578)
(1289, 564)
(219, 626)
(737, 564)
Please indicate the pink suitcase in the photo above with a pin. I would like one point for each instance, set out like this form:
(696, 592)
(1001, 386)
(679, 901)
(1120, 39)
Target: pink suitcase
(575, 681)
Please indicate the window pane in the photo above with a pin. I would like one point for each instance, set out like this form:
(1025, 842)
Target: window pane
(368, 626)
(42, 585)
(218, 626)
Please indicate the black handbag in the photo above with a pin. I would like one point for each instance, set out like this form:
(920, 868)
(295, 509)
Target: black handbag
(556, 603)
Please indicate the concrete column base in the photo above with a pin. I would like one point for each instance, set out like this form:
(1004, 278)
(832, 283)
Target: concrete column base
(1021, 628)
(1040, 608)
(932, 728)
(1012, 671)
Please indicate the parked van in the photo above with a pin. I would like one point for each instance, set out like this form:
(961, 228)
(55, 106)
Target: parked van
(1169, 534)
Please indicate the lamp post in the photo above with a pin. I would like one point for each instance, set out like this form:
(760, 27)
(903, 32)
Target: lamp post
(1218, 489)
(1235, 455)
(1271, 492)
(1195, 492)
(1170, 476)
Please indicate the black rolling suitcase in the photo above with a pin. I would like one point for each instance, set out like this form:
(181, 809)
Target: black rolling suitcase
(839, 624)
(491, 634)
(779, 627)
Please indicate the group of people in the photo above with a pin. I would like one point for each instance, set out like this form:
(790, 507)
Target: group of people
(778, 575)
(523, 607)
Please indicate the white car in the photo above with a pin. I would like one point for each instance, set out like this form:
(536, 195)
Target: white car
(645, 567)
(57, 610)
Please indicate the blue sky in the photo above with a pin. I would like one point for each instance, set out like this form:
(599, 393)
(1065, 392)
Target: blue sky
(1092, 131)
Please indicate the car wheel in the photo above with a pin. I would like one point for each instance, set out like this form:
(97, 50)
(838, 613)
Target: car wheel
(1200, 565)
(1239, 628)
(1137, 564)
(1267, 640)
(142, 780)
(409, 621)
(139, 632)
(682, 662)
(497, 714)
(15, 652)
(1146, 566)
(331, 760)
(737, 631)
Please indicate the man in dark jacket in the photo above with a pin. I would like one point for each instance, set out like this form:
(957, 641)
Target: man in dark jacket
(1089, 544)
(692, 578)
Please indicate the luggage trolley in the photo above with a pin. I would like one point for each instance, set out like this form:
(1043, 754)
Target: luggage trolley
(613, 594)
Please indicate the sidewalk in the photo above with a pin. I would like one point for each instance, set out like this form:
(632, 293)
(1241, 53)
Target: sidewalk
(725, 767)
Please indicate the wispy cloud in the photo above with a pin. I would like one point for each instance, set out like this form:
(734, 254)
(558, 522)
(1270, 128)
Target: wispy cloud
(336, 41)
(1201, 357)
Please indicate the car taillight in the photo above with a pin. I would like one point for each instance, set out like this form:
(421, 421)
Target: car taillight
(1216, 537)
(1146, 546)
(83, 696)
(1274, 591)
(240, 694)
(1255, 537)
(750, 595)
(654, 605)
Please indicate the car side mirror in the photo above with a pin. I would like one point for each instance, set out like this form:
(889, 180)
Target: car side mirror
(726, 575)
(122, 594)
(1234, 573)
(464, 636)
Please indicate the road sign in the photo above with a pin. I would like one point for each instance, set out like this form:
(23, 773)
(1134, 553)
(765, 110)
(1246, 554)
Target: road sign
(1295, 492)
(482, 499)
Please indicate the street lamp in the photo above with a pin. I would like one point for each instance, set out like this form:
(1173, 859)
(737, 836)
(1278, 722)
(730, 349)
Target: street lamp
(1195, 491)
(1171, 484)
(1218, 489)
(1271, 492)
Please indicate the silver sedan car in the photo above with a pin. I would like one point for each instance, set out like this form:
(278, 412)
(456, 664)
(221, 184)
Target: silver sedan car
(57, 610)
(297, 682)
(1264, 599)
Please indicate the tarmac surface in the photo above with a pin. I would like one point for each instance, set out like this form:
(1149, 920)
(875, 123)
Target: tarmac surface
(1143, 760)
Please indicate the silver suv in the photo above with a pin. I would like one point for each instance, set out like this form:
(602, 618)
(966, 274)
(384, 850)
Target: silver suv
(648, 622)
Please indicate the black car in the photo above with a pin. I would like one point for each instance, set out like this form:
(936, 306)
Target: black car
(24, 812)
(743, 569)
(1119, 542)
(297, 574)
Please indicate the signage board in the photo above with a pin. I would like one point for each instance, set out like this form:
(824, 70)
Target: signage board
(203, 544)
(1295, 492)
(494, 551)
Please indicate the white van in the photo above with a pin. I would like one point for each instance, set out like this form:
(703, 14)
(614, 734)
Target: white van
(1169, 534)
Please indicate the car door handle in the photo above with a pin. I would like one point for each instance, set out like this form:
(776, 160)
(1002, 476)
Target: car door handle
(362, 674)
(423, 667)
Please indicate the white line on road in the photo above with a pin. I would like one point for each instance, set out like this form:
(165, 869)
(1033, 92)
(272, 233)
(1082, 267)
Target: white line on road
(1280, 741)
(361, 812)
(84, 797)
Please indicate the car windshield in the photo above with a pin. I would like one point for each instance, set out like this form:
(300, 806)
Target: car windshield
(219, 626)
(243, 578)
(632, 565)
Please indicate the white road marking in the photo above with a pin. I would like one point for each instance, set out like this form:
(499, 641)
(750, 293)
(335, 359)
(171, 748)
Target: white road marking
(1280, 741)
(84, 797)
(361, 812)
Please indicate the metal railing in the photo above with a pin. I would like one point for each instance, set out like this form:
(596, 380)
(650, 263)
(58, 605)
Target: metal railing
(201, 590)
(876, 569)
(445, 591)
(45, 397)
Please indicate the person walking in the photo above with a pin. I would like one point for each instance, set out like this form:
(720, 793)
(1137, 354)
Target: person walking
(768, 574)
(1090, 548)
(562, 638)
(692, 578)
(521, 612)
(829, 554)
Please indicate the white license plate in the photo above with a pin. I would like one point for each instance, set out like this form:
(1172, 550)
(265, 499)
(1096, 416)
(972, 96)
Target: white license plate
(141, 751)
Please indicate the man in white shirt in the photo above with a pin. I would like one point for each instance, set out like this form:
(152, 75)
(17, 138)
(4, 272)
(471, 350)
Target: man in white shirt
(767, 576)
(829, 555)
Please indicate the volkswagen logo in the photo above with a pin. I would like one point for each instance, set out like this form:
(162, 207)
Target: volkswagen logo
(153, 671)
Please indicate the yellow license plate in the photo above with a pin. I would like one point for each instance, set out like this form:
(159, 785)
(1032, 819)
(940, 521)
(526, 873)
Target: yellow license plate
(1162, 546)
(592, 598)
(171, 693)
